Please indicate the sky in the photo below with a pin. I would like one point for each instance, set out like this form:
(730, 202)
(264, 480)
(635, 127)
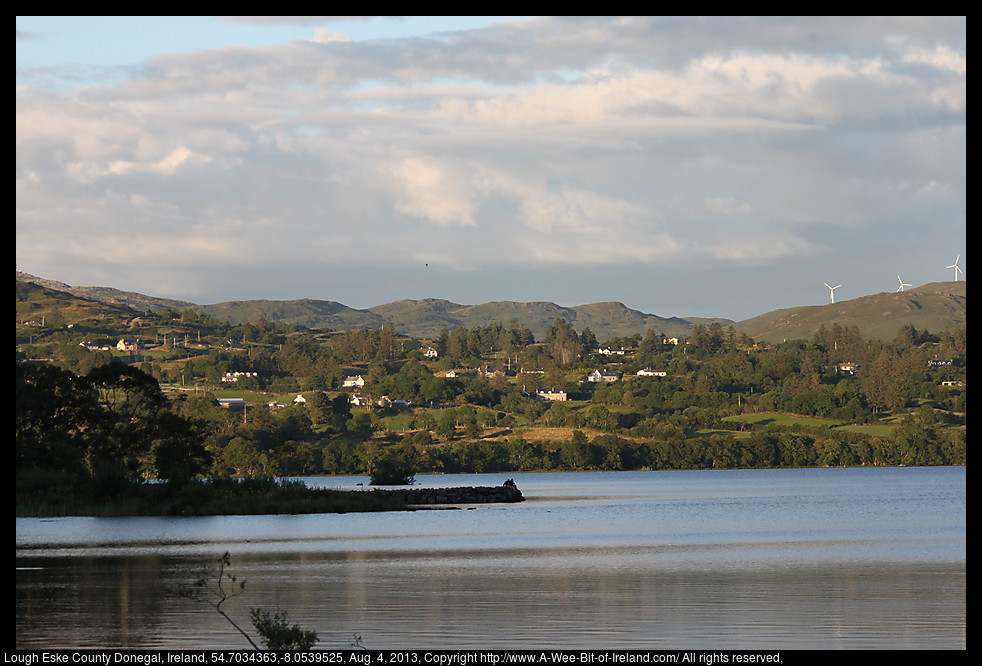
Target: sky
(703, 166)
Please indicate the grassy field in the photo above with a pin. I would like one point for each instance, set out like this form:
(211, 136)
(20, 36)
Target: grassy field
(882, 429)
(783, 420)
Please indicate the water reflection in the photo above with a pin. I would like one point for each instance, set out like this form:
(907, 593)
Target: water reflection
(737, 561)
(488, 600)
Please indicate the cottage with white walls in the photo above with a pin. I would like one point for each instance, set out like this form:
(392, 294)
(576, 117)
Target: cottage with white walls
(602, 376)
(551, 395)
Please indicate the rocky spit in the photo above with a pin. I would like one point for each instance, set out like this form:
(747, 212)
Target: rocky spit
(466, 495)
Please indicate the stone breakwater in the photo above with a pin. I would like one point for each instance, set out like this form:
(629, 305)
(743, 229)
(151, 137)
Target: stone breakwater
(467, 495)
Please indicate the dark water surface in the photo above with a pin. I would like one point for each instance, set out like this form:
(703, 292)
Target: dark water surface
(737, 559)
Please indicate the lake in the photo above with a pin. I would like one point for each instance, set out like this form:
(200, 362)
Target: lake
(855, 558)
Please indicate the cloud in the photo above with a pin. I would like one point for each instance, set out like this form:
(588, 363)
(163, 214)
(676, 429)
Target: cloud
(551, 142)
(726, 206)
(323, 36)
(298, 20)
(433, 192)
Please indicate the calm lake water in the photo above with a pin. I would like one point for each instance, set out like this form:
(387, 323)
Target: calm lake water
(735, 559)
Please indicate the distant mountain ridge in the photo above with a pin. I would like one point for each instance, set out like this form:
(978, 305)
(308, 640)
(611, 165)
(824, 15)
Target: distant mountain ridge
(933, 307)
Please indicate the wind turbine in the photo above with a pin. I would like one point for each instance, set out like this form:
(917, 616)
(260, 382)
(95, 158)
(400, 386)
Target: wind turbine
(903, 284)
(832, 291)
(955, 266)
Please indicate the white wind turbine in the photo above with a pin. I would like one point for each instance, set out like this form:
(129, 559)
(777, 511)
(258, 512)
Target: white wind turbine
(903, 284)
(832, 291)
(955, 266)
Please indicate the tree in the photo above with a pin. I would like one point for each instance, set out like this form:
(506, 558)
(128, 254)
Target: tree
(576, 453)
(341, 412)
(393, 468)
(361, 426)
(588, 340)
(135, 410)
(320, 407)
(562, 342)
(277, 634)
(177, 454)
(240, 457)
(214, 588)
(54, 410)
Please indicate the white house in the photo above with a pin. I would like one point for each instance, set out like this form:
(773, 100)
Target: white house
(353, 382)
(602, 376)
(848, 368)
(611, 351)
(428, 352)
(129, 345)
(648, 372)
(552, 395)
(234, 376)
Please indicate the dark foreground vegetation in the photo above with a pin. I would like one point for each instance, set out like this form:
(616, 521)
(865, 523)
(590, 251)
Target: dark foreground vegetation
(42, 493)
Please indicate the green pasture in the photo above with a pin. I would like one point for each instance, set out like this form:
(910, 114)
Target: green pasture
(782, 420)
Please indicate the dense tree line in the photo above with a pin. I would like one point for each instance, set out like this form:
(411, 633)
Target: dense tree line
(86, 416)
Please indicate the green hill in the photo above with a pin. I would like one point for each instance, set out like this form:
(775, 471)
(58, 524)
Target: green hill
(306, 312)
(934, 307)
(109, 295)
(426, 318)
(36, 303)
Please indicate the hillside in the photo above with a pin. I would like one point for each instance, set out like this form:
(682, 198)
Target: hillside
(425, 318)
(37, 303)
(934, 307)
(422, 318)
(108, 295)
(310, 313)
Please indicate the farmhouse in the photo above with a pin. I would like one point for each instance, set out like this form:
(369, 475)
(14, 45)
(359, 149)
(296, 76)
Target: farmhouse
(353, 382)
(428, 352)
(611, 351)
(551, 395)
(385, 402)
(648, 372)
(234, 376)
(95, 347)
(602, 376)
(129, 345)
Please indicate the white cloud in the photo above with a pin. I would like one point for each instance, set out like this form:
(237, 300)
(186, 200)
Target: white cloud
(726, 206)
(433, 192)
(557, 142)
(323, 36)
